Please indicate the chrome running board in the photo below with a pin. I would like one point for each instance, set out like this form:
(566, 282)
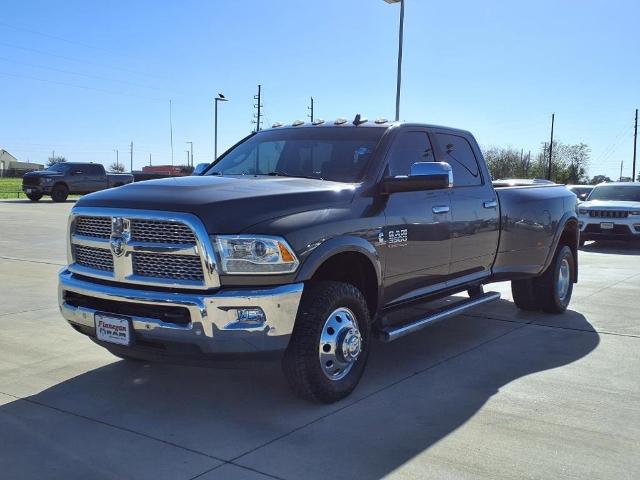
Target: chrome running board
(393, 333)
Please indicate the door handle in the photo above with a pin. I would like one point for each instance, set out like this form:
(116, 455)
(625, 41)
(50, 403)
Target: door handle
(440, 209)
(490, 204)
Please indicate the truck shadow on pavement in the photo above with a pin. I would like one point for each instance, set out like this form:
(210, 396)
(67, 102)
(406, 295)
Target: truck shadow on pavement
(415, 392)
(613, 247)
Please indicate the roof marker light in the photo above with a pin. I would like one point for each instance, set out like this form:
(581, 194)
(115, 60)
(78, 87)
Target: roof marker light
(340, 121)
(297, 123)
(276, 125)
(318, 121)
(381, 120)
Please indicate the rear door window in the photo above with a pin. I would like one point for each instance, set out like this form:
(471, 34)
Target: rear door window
(457, 152)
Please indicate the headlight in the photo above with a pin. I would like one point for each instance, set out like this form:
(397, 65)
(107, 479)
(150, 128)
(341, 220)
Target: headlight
(253, 254)
(583, 211)
(46, 181)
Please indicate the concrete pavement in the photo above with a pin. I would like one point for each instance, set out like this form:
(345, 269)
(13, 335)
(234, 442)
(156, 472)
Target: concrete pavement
(497, 393)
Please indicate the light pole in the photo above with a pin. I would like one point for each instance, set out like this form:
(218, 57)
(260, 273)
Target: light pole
(400, 36)
(117, 158)
(219, 98)
(191, 145)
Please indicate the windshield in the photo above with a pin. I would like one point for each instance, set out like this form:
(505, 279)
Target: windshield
(329, 153)
(57, 167)
(626, 194)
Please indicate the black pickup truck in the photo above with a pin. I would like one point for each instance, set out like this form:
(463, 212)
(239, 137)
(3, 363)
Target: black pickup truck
(309, 240)
(62, 179)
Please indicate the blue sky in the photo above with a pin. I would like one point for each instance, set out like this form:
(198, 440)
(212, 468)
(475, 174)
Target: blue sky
(85, 78)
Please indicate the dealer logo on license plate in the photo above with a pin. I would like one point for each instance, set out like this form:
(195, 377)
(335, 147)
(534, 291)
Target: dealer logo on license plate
(113, 329)
(606, 226)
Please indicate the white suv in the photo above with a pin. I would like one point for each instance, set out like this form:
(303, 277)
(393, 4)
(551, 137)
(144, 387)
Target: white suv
(611, 212)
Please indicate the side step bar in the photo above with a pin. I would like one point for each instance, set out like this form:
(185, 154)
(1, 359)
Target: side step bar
(393, 333)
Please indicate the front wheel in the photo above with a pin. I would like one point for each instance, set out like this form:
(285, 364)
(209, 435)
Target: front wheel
(34, 197)
(329, 345)
(59, 193)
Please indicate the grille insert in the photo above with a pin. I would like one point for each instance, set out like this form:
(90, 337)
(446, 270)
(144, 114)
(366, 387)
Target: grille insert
(99, 227)
(160, 231)
(94, 258)
(608, 213)
(179, 267)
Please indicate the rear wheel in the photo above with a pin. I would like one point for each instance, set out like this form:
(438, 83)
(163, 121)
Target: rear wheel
(34, 197)
(555, 286)
(59, 193)
(329, 346)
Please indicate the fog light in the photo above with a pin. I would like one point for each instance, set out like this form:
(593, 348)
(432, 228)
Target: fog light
(246, 318)
(637, 227)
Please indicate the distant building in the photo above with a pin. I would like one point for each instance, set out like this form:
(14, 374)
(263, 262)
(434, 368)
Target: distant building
(10, 166)
(169, 170)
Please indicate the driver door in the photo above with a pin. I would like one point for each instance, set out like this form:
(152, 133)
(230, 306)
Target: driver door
(417, 233)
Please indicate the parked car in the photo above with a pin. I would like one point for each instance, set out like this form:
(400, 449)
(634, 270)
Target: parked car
(311, 248)
(521, 182)
(66, 178)
(611, 212)
(581, 191)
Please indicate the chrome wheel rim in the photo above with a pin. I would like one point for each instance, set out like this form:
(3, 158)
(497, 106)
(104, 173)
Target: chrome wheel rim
(564, 279)
(340, 344)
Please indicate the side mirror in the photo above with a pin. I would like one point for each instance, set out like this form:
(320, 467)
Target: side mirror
(201, 167)
(423, 176)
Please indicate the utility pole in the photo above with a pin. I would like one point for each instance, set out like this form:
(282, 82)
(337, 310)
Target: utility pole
(621, 165)
(171, 131)
(524, 173)
(149, 159)
(635, 142)
(191, 146)
(131, 153)
(258, 106)
(187, 157)
(117, 158)
(311, 109)
(553, 117)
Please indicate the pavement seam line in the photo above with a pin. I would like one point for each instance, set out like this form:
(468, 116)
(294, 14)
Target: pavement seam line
(534, 323)
(31, 261)
(380, 390)
(28, 311)
(239, 466)
(107, 424)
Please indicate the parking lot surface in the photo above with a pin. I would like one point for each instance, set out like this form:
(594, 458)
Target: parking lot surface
(497, 393)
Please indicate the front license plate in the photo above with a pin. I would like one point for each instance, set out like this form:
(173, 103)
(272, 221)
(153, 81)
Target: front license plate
(113, 329)
(606, 226)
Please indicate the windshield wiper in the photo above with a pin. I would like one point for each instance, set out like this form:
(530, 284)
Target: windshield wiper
(279, 173)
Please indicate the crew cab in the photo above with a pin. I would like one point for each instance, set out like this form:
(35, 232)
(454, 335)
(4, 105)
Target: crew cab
(307, 241)
(62, 179)
(611, 212)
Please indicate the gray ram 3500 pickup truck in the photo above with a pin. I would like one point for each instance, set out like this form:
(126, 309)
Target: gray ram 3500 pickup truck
(307, 241)
(62, 179)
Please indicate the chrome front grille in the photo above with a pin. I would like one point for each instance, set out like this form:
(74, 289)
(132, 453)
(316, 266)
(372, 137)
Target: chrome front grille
(181, 267)
(99, 227)
(141, 247)
(608, 213)
(96, 258)
(158, 231)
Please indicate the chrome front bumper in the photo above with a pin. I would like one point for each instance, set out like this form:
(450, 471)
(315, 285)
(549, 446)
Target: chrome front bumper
(213, 326)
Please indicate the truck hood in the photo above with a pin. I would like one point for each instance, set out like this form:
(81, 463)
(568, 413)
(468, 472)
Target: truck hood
(43, 173)
(226, 204)
(610, 205)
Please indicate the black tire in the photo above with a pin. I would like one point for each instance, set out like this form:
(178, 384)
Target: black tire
(546, 286)
(301, 362)
(524, 295)
(59, 193)
(34, 197)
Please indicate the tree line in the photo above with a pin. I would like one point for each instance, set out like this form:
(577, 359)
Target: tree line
(569, 162)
